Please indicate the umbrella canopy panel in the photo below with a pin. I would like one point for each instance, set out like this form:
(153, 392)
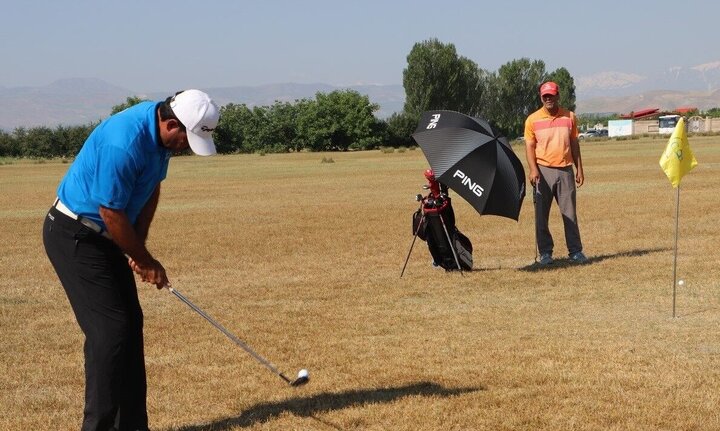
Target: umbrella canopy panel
(469, 157)
(461, 141)
(460, 135)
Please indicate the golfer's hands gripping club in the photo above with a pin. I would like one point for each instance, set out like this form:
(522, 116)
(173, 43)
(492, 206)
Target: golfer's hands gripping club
(152, 272)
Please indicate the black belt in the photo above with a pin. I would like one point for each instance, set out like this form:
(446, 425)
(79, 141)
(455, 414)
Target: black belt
(58, 205)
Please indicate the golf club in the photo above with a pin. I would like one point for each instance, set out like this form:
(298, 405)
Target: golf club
(302, 378)
(535, 193)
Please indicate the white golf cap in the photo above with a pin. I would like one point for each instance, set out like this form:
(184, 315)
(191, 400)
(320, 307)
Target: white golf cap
(199, 114)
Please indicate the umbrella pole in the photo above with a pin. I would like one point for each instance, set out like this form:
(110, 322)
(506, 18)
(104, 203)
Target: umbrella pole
(422, 219)
(452, 247)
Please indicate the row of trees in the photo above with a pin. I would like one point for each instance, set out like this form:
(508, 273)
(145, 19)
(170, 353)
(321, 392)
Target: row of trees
(43, 142)
(337, 121)
(436, 77)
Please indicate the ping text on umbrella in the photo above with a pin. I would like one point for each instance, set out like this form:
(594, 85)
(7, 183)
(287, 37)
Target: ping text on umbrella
(467, 181)
(433, 121)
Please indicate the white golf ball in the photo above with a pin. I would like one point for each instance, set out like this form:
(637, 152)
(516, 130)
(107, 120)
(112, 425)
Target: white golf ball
(681, 283)
(303, 373)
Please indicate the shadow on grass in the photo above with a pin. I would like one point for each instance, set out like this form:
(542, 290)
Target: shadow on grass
(703, 311)
(566, 262)
(326, 402)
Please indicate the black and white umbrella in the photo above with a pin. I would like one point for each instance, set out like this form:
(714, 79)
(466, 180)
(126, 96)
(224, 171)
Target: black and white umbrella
(471, 158)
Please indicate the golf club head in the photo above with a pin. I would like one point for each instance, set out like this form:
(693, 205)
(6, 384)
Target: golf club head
(302, 378)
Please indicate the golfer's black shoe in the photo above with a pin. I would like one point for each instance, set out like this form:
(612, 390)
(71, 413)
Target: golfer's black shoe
(546, 259)
(578, 257)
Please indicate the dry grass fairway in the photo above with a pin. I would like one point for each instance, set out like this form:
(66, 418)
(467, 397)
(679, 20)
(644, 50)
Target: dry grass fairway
(302, 259)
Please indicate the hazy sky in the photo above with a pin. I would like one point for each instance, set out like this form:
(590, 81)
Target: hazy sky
(158, 45)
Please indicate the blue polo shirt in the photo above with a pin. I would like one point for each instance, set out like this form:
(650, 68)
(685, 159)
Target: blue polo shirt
(119, 166)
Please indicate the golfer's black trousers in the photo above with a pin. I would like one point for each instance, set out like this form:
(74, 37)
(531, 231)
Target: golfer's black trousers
(103, 295)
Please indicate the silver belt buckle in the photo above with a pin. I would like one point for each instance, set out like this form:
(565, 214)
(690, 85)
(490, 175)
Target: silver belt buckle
(84, 221)
(90, 224)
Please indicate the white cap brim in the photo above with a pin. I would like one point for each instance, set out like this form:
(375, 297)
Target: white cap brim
(199, 114)
(201, 145)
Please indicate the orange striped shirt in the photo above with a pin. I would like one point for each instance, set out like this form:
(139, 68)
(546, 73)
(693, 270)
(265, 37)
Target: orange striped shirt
(552, 135)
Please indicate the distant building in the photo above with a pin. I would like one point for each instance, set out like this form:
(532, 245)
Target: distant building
(642, 114)
(686, 110)
(620, 128)
(650, 113)
(655, 121)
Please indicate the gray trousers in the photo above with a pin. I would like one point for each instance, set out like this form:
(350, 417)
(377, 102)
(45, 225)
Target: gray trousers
(557, 183)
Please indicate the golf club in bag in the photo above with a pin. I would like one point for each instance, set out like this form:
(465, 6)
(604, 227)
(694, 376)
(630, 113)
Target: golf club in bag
(434, 223)
(302, 378)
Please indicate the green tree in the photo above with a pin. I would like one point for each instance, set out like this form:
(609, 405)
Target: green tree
(76, 137)
(230, 133)
(283, 133)
(38, 143)
(19, 137)
(339, 121)
(437, 78)
(8, 145)
(712, 112)
(400, 127)
(256, 130)
(260, 129)
(66, 141)
(515, 95)
(305, 112)
(130, 101)
(566, 82)
(586, 121)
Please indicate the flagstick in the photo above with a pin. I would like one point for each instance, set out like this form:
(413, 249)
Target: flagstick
(677, 217)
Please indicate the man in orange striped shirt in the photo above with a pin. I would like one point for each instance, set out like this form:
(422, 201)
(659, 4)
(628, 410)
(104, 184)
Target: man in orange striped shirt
(552, 148)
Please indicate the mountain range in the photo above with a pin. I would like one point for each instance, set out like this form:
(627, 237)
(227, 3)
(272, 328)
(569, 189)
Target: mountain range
(77, 101)
(695, 86)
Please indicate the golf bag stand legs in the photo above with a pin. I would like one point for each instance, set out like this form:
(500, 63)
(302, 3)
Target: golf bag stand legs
(450, 241)
(422, 219)
(434, 223)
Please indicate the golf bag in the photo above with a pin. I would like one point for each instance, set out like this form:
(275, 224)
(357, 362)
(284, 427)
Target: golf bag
(434, 223)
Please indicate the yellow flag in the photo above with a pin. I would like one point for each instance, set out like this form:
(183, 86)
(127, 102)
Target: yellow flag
(678, 159)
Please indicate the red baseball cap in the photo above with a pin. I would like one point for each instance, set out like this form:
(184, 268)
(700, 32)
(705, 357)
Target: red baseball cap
(549, 88)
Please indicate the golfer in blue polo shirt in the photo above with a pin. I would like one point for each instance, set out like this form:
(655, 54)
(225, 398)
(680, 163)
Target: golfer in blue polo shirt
(94, 235)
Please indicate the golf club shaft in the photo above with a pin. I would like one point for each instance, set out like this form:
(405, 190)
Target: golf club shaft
(230, 335)
(534, 187)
